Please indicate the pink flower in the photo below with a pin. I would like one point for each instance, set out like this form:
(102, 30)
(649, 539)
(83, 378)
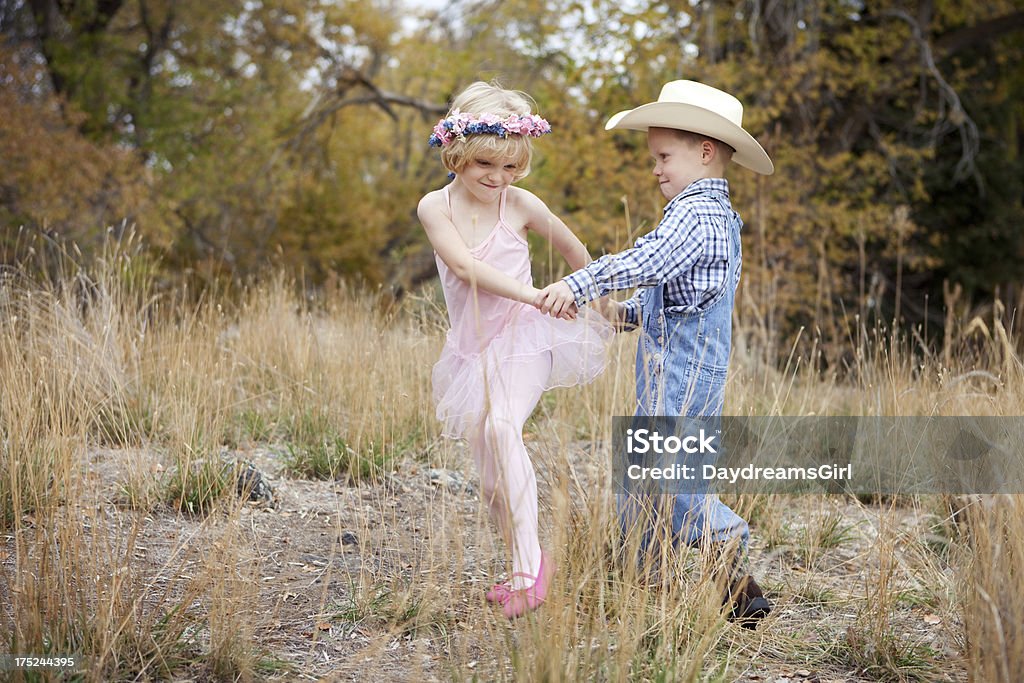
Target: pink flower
(516, 124)
(442, 133)
(537, 125)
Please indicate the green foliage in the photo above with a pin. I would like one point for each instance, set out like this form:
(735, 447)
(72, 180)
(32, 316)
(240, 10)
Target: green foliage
(252, 424)
(195, 487)
(829, 531)
(333, 457)
(316, 450)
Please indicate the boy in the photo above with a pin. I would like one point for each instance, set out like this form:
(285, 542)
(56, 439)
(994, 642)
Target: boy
(687, 270)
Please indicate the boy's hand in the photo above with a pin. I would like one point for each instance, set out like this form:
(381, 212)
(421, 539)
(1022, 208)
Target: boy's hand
(556, 299)
(614, 311)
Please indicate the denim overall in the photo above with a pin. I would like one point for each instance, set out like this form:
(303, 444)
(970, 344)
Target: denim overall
(681, 364)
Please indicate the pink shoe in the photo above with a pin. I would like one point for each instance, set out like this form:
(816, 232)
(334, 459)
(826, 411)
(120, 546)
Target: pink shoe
(521, 601)
(499, 593)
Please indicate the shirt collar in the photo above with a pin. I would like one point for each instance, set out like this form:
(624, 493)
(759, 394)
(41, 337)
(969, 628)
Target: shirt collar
(701, 186)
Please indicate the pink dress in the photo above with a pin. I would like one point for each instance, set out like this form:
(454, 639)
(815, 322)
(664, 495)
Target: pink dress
(491, 336)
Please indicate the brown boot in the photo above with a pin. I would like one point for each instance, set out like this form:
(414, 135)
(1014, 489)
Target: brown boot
(746, 603)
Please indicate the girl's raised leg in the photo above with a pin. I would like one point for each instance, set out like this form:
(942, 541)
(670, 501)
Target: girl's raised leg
(507, 478)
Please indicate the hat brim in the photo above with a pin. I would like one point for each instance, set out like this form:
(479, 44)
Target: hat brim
(749, 153)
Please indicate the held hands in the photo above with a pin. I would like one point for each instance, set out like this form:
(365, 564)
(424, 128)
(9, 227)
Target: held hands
(569, 313)
(534, 296)
(557, 300)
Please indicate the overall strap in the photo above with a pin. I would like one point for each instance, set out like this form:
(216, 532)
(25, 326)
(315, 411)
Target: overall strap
(723, 199)
(733, 217)
(735, 224)
(653, 302)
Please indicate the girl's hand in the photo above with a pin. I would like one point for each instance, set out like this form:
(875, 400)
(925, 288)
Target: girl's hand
(556, 299)
(569, 313)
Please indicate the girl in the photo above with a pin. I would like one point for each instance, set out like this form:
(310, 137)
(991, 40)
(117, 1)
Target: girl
(501, 353)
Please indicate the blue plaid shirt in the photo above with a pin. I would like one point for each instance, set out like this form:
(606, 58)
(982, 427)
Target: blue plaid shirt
(688, 251)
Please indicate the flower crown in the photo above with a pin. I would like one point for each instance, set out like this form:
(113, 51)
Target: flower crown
(458, 125)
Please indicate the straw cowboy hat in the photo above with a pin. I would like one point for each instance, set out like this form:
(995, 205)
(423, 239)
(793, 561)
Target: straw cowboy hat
(692, 106)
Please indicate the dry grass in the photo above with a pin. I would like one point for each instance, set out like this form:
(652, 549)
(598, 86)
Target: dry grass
(100, 362)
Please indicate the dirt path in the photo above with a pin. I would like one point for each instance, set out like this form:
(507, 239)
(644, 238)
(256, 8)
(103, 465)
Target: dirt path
(384, 581)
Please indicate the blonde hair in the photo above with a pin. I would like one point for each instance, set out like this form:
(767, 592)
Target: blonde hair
(490, 98)
(691, 138)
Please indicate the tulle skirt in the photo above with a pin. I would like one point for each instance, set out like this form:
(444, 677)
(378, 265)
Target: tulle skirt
(466, 384)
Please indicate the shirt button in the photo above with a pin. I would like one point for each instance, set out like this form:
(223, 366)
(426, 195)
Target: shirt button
(661, 340)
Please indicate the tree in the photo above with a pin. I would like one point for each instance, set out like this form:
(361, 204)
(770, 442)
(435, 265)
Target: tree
(295, 131)
(55, 179)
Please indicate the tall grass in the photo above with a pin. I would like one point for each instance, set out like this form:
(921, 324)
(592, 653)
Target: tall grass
(993, 609)
(338, 384)
(98, 358)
